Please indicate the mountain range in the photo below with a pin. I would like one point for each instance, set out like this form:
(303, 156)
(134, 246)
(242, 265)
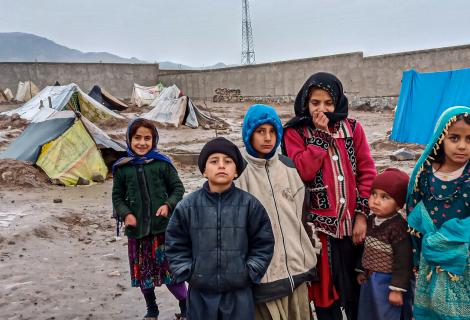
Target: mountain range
(25, 47)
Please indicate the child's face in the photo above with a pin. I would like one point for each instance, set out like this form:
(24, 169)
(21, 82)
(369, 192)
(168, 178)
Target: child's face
(382, 204)
(141, 141)
(220, 169)
(457, 143)
(320, 101)
(263, 139)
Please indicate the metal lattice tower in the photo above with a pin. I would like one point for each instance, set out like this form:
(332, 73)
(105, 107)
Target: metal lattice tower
(248, 49)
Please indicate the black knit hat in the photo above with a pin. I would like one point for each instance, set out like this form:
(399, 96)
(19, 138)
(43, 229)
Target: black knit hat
(221, 145)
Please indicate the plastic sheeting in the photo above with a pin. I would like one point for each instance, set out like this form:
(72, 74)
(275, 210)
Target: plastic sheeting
(101, 138)
(28, 145)
(8, 94)
(71, 156)
(144, 96)
(423, 98)
(39, 109)
(26, 90)
(3, 97)
(106, 99)
(168, 112)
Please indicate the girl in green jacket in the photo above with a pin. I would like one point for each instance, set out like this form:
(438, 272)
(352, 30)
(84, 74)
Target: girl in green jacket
(146, 189)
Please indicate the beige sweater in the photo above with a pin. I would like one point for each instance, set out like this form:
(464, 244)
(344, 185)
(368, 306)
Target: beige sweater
(277, 185)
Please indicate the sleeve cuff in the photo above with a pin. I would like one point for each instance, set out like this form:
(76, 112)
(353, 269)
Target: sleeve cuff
(396, 289)
(362, 206)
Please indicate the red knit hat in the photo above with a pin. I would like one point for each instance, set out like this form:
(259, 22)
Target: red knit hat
(394, 182)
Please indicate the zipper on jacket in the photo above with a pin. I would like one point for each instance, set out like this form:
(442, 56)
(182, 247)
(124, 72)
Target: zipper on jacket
(145, 195)
(291, 280)
(218, 240)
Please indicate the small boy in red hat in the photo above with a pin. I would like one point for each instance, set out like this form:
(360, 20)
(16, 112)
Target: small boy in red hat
(386, 266)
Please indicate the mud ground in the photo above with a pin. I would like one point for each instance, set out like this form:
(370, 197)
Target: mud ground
(59, 258)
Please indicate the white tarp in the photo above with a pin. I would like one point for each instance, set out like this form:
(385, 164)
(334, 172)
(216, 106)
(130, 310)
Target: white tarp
(168, 109)
(169, 93)
(26, 90)
(8, 94)
(168, 112)
(101, 138)
(39, 109)
(144, 96)
(171, 110)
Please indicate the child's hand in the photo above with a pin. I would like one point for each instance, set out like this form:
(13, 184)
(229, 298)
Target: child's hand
(361, 278)
(320, 121)
(163, 211)
(130, 220)
(395, 298)
(359, 229)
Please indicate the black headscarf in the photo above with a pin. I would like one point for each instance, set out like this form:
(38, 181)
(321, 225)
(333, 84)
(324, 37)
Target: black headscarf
(329, 83)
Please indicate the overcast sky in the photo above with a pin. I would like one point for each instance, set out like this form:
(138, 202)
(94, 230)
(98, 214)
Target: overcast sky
(203, 32)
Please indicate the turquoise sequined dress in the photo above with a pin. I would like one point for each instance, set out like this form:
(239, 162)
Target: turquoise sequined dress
(439, 221)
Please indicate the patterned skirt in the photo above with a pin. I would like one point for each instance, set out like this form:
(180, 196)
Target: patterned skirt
(440, 298)
(149, 267)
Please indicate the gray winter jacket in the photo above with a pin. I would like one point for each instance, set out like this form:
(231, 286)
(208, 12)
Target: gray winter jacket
(219, 242)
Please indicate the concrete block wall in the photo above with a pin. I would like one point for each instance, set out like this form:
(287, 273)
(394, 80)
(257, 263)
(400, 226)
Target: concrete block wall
(364, 78)
(116, 78)
(270, 79)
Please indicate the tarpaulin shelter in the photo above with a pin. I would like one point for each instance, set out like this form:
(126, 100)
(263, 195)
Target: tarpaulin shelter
(26, 90)
(169, 109)
(144, 96)
(106, 99)
(3, 97)
(8, 94)
(66, 146)
(57, 98)
(423, 98)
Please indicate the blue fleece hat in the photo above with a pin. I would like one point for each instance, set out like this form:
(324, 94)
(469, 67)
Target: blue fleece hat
(257, 115)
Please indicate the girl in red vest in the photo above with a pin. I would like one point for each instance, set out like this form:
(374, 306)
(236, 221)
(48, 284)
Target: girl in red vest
(333, 159)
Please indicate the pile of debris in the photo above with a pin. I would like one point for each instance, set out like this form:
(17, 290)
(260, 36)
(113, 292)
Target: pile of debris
(228, 95)
(16, 173)
(12, 122)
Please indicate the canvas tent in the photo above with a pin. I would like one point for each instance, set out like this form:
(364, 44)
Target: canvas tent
(169, 109)
(8, 94)
(144, 96)
(57, 98)
(423, 98)
(106, 99)
(26, 90)
(3, 97)
(66, 147)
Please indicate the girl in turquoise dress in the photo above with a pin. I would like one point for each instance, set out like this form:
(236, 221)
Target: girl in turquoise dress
(438, 218)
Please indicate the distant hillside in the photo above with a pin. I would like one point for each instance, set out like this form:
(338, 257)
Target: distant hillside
(25, 47)
(168, 65)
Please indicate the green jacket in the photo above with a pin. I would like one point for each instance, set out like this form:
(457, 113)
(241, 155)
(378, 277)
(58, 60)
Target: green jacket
(141, 190)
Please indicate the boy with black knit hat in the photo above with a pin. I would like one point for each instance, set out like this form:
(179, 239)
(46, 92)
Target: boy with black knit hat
(386, 268)
(219, 239)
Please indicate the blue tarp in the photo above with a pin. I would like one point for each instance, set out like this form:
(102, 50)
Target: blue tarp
(423, 98)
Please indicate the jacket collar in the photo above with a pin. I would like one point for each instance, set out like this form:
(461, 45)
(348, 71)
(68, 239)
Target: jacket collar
(211, 194)
(260, 162)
